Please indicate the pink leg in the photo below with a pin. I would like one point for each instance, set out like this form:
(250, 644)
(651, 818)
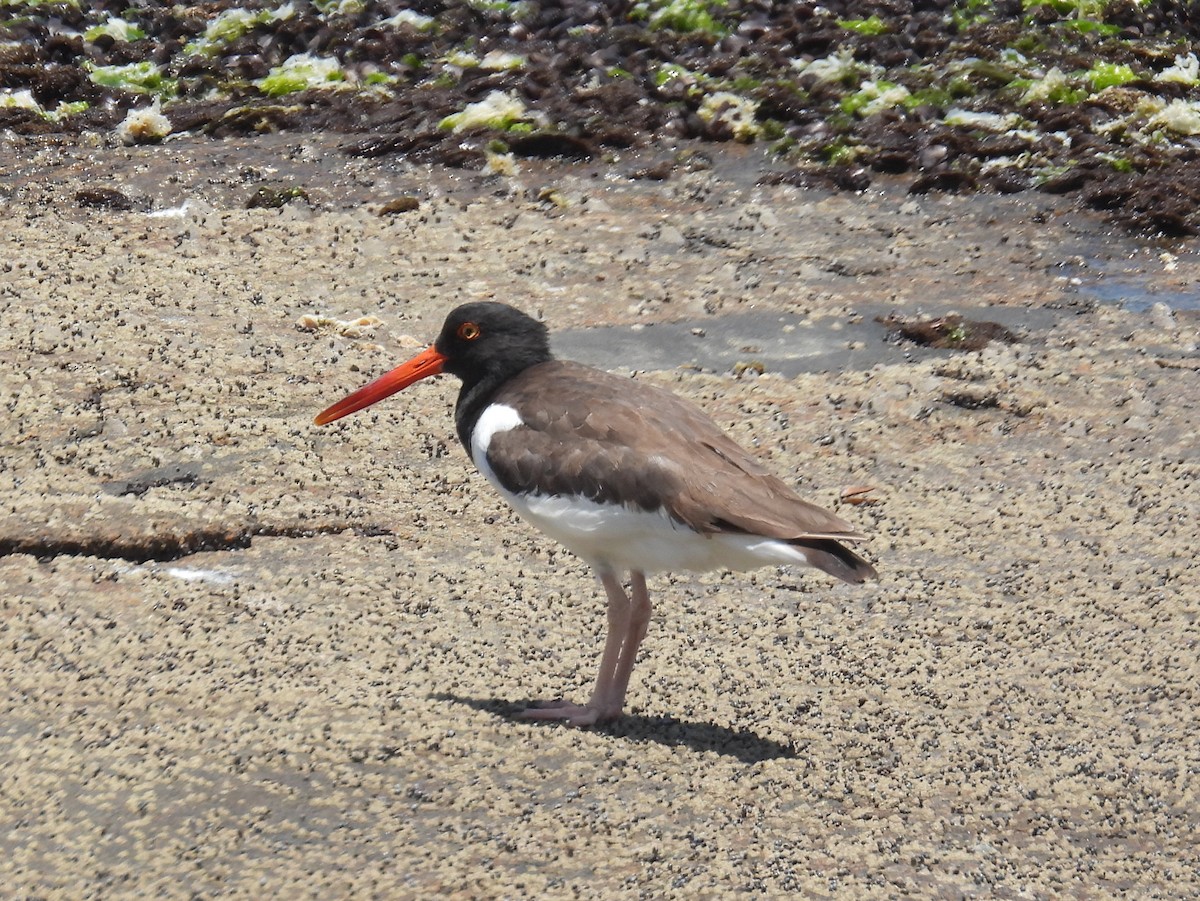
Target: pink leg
(627, 623)
(635, 631)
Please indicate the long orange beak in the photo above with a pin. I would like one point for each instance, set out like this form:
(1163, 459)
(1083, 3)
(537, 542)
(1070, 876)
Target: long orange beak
(428, 362)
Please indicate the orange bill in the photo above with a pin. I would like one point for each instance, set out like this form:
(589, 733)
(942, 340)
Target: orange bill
(428, 362)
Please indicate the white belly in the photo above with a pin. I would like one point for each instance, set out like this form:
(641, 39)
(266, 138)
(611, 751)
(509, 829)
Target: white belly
(620, 538)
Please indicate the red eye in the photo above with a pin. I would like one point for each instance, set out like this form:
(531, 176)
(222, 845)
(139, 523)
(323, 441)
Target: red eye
(468, 331)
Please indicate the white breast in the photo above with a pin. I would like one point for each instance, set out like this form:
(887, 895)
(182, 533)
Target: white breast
(615, 537)
(494, 418)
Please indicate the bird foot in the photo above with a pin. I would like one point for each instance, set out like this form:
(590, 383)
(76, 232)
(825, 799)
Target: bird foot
(571, 714)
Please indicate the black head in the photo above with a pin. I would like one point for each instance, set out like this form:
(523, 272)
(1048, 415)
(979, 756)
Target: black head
(484, 344)
(491, 341)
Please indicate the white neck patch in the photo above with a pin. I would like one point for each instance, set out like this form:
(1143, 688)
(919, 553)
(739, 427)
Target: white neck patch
(495, 418)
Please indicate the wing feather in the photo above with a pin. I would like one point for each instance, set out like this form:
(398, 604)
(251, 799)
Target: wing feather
(617, 440)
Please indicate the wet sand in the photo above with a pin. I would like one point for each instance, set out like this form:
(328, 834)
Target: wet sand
(248, 656)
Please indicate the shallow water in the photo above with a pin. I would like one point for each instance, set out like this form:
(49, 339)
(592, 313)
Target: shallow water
(780, 343)
(1135, 290)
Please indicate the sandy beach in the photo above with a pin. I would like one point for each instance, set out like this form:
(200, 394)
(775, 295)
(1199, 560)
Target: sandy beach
(245, 656)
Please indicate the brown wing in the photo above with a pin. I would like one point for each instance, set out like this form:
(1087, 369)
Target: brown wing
(615, 440)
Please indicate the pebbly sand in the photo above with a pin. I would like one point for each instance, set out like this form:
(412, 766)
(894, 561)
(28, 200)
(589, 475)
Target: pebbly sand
(248, 657)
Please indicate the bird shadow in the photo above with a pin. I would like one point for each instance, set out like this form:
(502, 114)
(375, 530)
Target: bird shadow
(743, 744)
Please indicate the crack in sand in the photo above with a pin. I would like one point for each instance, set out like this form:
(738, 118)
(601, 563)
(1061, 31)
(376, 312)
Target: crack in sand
(166, 548)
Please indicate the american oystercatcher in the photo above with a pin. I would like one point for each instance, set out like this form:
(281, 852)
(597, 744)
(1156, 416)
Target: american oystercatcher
(626, 475)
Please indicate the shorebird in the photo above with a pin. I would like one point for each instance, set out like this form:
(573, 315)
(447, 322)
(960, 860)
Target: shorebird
(627, 475)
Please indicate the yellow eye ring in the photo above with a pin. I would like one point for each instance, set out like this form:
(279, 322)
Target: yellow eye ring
(468, 331)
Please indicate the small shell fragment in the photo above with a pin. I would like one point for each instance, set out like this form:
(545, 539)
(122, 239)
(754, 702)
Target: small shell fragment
(347, 328)
(857, 494)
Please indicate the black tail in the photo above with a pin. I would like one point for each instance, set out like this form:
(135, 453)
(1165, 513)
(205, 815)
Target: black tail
(836, 559)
